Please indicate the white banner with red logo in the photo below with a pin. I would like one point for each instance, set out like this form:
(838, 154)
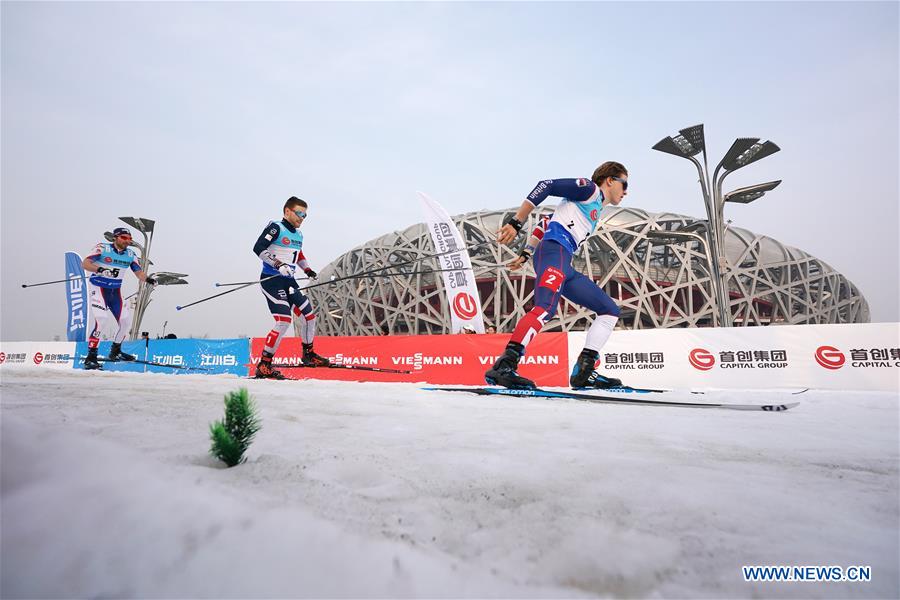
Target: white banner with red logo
(459, 279)
(37, 355)
(842, 357)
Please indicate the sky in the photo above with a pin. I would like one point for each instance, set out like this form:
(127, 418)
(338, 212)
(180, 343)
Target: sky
(206, 117)
(383, 490)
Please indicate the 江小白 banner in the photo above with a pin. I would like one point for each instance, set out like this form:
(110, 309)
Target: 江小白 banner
(76, 299)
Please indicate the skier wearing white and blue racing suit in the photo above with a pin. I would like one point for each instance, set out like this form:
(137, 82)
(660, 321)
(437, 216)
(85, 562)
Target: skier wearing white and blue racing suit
(107, 263)
(280, 247)
(573, 221)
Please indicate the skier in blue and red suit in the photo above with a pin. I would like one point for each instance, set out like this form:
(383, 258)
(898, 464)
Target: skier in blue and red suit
(572, 222)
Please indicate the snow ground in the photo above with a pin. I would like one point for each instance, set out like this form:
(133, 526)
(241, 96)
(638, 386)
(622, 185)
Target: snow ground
(385, 490)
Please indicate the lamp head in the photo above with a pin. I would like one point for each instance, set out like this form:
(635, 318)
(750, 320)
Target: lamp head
(689, 142)
(745, 151)
(746, 195)
(141, 224)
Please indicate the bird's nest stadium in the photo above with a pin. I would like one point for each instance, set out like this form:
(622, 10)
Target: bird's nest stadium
(655, 283)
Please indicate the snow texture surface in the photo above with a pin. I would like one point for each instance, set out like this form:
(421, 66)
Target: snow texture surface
(386, 490)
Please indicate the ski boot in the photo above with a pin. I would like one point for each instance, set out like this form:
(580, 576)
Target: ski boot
(503, 372)
(264, 369)
(115, 353)
(584, 375)
(311, 359)
(90, 361)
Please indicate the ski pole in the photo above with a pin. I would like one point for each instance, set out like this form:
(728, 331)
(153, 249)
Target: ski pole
(28, 285)
(368, 273)
(373, 272)
(375, 275)
(250, 282)
(359, 276)
(228, 292)
(427, 256)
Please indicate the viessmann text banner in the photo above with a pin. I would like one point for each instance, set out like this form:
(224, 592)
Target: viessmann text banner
(444, 359)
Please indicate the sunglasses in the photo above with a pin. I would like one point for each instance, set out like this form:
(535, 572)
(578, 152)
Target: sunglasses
(300, 213)
(127, 238)
(624, 182)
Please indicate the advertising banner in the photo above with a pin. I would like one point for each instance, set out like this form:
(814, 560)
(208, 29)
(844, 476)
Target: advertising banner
(440, 359)
(848, 357)
(76, 299)
(838, 357)
(210, 356)
(37, 355)
(459, 279)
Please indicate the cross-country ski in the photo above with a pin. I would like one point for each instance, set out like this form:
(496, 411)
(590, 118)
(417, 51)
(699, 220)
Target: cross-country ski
(611, 399)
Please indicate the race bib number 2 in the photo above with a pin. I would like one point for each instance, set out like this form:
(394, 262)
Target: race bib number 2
(552, 279)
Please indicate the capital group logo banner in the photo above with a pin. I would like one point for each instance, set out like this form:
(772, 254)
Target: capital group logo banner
(37, 355)
(850, 357)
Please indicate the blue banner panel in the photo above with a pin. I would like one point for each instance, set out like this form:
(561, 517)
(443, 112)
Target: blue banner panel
(76, 299)
(197, 356)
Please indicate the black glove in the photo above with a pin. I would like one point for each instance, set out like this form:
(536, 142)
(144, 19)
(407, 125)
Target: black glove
(150, 280)
(514, 223)
(311, 274)
(526, 253)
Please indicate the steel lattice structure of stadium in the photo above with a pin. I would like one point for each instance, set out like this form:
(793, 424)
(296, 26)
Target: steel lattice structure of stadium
(654, 284)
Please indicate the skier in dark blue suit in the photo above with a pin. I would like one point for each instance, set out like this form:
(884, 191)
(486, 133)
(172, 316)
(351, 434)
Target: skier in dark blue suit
(573, 221)
(280, 248)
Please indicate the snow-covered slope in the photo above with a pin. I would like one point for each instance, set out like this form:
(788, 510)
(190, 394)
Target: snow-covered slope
(385, 490)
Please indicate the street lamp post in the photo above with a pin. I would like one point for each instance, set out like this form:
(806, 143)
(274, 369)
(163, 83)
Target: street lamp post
(743, 152)
(688, 144)
(145, 226)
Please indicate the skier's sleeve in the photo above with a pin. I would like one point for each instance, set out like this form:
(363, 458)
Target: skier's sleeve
(576, 190)
(541, 226)
(537, 236)
(301, 261)
(95, 253)
(261, 247)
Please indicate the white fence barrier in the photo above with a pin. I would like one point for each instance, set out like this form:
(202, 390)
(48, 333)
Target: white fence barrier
(38, 355)
(845, 357)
